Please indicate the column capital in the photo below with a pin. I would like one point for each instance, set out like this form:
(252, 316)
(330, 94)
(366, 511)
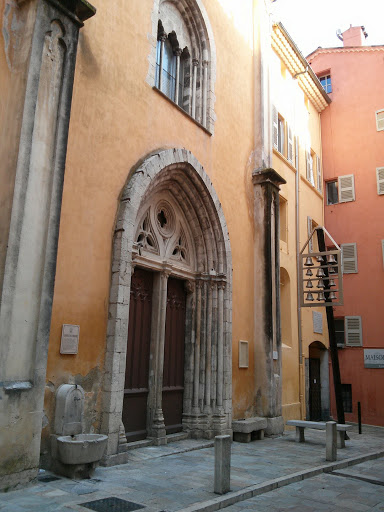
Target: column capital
(82, 9)
(195, 62)
(267, 176)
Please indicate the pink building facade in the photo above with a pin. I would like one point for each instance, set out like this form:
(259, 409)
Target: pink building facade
(353, 166)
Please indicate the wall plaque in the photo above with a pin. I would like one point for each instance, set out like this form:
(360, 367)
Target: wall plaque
(317, 322)
(374, 358)
(70, 339)
(243, 354)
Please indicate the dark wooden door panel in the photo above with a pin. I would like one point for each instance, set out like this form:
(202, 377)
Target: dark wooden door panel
(173, 376)
(314, 389)
(137, 362)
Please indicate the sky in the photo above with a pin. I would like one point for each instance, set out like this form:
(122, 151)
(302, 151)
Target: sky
(313, 23)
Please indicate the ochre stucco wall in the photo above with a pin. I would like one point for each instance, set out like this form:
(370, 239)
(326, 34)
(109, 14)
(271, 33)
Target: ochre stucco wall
(117, 119)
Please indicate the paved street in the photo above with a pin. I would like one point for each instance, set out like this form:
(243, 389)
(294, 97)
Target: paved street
(180, 476)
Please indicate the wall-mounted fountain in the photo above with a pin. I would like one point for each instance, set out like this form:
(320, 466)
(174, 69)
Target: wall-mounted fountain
(74, 454)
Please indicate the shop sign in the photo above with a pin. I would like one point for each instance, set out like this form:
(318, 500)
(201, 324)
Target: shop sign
(373, 358)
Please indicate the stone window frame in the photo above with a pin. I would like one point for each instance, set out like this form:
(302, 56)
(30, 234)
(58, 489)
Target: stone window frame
(202, 58)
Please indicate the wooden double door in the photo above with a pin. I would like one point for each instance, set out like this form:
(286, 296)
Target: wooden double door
(139, 353)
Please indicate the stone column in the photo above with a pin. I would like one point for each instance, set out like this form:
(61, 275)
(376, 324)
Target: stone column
(177, 53)
(267, 298)
(155, 398)
(205, 87)
(162, 39)
(30, 264)
(195, 63)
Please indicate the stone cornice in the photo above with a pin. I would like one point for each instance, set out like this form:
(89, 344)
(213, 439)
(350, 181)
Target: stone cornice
(346, 49)
(298, 66)
(268, 175)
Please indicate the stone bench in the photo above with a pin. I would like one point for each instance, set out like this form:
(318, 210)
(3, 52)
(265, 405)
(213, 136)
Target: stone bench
(318, 425)
(249, 429)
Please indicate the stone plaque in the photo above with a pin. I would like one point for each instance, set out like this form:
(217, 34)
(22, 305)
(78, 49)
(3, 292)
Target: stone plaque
(243, 354)
(70, 339)
(317, 322)
(374, 358)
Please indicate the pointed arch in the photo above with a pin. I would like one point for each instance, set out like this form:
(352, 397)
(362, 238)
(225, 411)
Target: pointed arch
(168, 181)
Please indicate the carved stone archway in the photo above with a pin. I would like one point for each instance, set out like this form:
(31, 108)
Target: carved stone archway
(173, 184)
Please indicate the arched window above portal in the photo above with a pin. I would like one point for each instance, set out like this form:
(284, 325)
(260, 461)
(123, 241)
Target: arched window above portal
(182, 64)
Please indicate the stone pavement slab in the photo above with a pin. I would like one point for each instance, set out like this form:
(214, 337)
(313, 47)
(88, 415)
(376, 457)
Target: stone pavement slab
(180, 475)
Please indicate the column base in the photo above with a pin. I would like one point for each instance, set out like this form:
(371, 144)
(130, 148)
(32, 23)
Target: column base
(275, 426)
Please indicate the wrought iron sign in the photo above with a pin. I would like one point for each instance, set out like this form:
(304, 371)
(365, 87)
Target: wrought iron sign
(320, 277)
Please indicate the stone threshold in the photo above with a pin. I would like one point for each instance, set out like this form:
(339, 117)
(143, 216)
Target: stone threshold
(255, 490)
(124, 456)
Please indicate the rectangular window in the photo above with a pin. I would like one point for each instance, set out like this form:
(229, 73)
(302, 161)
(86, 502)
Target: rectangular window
(283, 219)
(340, 332)
(346, 394)
(353, 331)
(275, 127)
(380, 120)
(318, 173)
(349, 258)
(280, 135)
(325, 81)
(310, 175)
(380, 180)
(290, 144)
(341, 190)
(332, 192)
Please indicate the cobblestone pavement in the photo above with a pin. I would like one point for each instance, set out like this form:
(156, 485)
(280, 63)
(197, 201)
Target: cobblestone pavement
(180, 476)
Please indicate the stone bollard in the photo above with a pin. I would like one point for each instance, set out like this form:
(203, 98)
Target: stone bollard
(222, 464)
(331, 441)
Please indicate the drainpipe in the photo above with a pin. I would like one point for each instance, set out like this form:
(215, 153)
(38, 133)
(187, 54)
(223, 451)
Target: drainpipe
(299, 330)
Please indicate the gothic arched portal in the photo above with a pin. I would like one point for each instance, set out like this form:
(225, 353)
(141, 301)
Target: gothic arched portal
(170, 225)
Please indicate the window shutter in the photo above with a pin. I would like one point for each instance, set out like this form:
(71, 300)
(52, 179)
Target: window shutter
(346, 188)
(380, 120)
(318, 172)
(353, 331)
(309, 167)
(290, 143)
(349, 258)
(297, 152)
(309, 229)
(380, 180)
(275, 121)
(382, 247)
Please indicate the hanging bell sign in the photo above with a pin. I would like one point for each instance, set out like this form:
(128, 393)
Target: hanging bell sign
(326, 289)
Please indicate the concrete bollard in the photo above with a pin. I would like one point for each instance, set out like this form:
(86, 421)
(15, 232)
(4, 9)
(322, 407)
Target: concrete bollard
(331, 441)
(222, 464)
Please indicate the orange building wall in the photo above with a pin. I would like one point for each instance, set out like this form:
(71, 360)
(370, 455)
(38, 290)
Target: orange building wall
(352, 145)
(116, 120)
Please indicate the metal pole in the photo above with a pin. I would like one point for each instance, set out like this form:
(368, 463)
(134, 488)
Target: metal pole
(332, 336)
(359, 415)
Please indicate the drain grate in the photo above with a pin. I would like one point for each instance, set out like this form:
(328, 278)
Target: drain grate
(112, 504)
(47, 478)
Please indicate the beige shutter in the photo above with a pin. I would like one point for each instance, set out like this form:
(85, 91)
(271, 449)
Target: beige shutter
(349, 258)
(353, 331)
(297, 152)
(382, 247)
(309, 229)
(290, 143)
(380, 120)
(310, 167)
(380, 180)
(318, 173)
(346, 188)
(275, 131)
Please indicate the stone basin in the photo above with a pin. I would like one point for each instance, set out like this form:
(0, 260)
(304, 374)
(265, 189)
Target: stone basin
(81, 448)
